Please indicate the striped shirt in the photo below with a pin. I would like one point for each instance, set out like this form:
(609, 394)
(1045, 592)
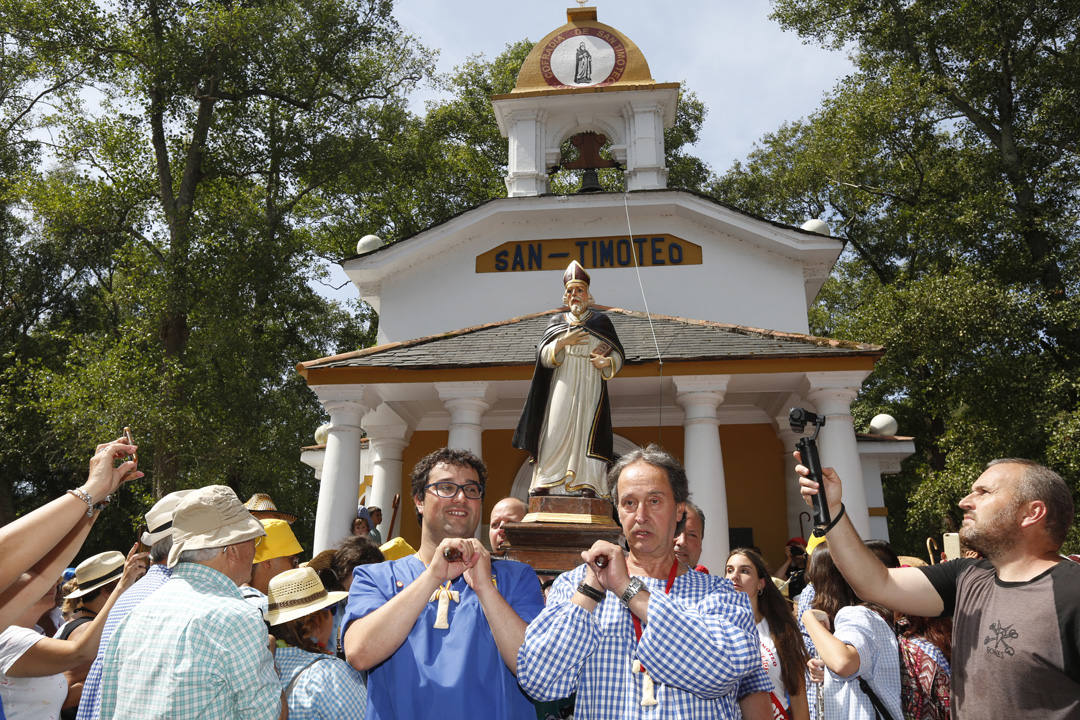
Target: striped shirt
(699, 645)
(194, 650)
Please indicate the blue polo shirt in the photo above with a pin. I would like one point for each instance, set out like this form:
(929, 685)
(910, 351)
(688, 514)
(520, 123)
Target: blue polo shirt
(454, 673)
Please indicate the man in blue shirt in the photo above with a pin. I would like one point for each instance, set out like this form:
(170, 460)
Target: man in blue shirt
(438, 635)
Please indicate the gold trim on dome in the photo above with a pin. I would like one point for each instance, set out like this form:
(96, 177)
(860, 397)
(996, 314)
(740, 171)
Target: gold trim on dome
(629, 66)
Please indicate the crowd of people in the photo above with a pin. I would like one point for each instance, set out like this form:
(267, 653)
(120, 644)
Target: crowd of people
(212, 614)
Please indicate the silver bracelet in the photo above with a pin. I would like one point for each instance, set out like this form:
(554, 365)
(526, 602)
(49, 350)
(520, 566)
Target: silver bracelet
(86, 498)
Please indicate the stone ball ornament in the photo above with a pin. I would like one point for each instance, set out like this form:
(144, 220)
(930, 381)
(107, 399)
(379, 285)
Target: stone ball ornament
(817, 226)
(321, 433)
(368, 243)
(883, 425)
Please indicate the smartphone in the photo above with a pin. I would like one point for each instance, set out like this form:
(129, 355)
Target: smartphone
(139, 535)
(951, 542)
(134, 457)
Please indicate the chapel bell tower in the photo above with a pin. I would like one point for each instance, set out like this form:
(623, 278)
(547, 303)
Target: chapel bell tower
(585, 77)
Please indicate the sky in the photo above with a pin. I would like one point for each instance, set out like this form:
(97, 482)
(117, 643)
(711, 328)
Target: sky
(751, 74)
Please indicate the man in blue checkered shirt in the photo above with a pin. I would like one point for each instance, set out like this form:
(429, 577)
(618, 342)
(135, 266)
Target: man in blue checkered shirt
(640, 634)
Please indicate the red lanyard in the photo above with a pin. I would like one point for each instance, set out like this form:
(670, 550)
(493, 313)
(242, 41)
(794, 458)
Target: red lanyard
(667, 591)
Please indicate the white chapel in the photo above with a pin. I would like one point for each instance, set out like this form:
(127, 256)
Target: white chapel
(709, 302)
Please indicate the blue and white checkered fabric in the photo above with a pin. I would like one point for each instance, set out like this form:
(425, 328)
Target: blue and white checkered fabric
(144, 587)
(879, 662)
(328, 690)
(699, 643)
(193, 650)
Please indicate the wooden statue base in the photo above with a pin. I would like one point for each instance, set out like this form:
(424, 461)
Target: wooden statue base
(558, 527)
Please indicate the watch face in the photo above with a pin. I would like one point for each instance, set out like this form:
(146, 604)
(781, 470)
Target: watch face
(583, 57)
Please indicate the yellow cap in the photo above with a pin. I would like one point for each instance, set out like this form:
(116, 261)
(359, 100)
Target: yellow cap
(815, 540)
(396, 549)
(279, 541)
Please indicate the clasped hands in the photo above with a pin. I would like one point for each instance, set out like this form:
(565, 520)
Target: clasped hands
(475, 562)
(605, 567)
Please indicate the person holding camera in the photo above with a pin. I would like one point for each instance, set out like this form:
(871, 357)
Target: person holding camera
(1016, 613)
(37, 547)
(793, 571)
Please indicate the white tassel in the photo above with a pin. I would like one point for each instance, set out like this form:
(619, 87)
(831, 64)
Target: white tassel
(442, 616)
(648, 695)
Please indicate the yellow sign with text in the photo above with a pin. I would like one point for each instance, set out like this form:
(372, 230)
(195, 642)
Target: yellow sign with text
(600, 252)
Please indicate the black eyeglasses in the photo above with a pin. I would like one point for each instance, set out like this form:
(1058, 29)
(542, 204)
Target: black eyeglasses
(449, 490)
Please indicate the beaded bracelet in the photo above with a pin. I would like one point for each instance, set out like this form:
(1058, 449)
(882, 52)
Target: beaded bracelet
(86, 498)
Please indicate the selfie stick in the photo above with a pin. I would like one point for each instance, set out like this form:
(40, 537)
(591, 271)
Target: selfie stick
(808, 451)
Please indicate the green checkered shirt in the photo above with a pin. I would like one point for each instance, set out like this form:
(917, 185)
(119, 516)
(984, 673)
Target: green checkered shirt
(194, 649)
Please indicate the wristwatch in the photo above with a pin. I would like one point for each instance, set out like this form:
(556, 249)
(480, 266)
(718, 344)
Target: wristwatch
(636, 585)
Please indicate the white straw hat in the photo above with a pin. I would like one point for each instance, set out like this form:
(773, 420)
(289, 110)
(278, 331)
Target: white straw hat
(211, 517)
(97, 570)
(295, 593)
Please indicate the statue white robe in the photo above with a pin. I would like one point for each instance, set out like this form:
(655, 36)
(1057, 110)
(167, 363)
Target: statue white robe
(568, 423)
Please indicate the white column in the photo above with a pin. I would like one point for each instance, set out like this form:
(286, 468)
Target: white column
(832, 394)
(793, 498)
(339, 487)
(699, 397)
(386, 444)
(466, 402)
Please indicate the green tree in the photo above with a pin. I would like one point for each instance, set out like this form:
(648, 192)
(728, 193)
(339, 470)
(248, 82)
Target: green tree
(949, 167)
(194, 191)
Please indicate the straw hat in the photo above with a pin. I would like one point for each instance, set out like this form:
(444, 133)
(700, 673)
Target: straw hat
(296, 593)
(261, 506)
(211, 517)
(279, 541)
(97, 570)
(159, 518)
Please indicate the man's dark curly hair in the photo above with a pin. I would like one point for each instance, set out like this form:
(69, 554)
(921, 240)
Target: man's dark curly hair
(449, 456)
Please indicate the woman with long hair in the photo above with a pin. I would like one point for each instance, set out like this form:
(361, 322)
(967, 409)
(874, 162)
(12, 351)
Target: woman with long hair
(858, 664)
(316, 684)
(782, 651)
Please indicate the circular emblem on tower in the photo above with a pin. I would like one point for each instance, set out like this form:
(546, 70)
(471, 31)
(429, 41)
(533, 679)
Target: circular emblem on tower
(583, 57)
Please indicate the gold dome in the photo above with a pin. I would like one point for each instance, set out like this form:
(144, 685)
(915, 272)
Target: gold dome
(583, 56)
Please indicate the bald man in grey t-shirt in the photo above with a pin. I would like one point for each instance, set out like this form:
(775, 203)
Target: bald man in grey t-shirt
(1016, 613)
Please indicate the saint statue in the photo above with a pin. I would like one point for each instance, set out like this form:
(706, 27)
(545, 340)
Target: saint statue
(566, 423)
(582, 65)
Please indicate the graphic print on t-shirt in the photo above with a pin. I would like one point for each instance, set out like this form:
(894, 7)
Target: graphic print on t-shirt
(999, 636)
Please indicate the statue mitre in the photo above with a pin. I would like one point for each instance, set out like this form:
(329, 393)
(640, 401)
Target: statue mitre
(575, 273)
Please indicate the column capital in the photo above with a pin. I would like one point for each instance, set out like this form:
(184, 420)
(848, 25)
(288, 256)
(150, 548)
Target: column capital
(844, 380)
(688, 384)
(347, 397)
(465, 390)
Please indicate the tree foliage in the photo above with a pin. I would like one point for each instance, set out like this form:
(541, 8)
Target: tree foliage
(164, 275)
(948, 163)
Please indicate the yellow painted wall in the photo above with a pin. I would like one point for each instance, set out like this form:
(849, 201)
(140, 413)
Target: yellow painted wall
(754, 474)
(753, 471)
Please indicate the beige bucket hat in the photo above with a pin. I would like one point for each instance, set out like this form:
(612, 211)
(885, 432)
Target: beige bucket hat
(211, 517)
(97, 570)
(296, 593)
(261, 506)
(160, 517)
